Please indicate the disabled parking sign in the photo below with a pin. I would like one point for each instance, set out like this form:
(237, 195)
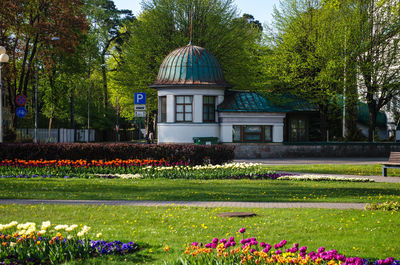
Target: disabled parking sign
(140, 98)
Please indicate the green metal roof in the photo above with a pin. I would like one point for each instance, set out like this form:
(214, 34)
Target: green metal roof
(363, 113)
(190, 66)
(245, 101)
(363, 116)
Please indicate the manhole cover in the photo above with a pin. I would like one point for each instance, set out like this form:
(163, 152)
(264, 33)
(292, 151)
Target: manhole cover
(236, 214)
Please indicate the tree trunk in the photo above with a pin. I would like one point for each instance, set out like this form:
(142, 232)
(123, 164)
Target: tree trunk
(22, 76)
(105, 91)
(50, 123)
(72, 109)
(30, 63)
(372, 121)
(323, 114)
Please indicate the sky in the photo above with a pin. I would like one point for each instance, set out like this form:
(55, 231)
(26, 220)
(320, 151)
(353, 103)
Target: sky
(260, 9)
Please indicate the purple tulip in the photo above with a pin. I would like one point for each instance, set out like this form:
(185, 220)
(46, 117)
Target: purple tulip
(242, 230)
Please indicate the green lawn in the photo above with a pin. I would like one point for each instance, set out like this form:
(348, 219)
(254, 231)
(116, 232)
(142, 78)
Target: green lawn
(198, 190)
(360, 170)
(354, 233)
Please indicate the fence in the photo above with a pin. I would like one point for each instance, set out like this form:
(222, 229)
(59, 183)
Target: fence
(56, 135)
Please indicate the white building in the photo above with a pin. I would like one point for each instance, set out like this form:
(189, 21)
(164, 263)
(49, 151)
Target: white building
(194, 101)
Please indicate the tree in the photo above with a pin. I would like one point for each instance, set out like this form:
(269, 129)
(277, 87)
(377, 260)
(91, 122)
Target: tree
(307, 54)
(163, 26)
(28, 29)
(107, 21)
(378, 55)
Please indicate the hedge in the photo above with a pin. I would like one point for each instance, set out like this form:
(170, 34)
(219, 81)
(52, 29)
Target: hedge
(195, 154)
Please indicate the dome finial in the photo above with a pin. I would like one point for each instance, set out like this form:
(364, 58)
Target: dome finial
(191, 25)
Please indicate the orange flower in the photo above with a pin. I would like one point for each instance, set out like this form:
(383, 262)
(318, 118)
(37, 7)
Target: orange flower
(166, 248)
(38, 243)
(4, 243)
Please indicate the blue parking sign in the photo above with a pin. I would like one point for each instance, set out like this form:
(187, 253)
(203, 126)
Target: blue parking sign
(140, 98)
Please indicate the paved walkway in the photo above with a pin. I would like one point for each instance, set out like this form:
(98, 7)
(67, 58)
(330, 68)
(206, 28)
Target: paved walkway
(212, 204)
(317, 160)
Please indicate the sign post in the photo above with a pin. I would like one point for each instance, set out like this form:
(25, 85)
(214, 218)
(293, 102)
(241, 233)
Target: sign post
(140, 108)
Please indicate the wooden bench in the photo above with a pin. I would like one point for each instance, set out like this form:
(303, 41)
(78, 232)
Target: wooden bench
(394, 162)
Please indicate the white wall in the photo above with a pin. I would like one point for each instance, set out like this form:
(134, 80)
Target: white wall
(250, 118)
(184, 132)
(197, 94)
(226, 133)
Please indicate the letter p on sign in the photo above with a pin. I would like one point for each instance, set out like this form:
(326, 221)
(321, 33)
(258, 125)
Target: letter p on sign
(140, 98)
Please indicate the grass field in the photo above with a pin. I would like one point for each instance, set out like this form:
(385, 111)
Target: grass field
(360, 170)
(368, 234)
(198, 190)
(354, 233)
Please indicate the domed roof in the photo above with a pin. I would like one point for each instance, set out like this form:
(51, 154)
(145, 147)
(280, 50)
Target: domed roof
(190, 66)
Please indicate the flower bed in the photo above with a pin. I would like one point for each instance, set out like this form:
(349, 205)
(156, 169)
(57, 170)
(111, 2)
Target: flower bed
(386, 206)
(324, 178)
(250, 251)
(25, 244)
(135, 168)
(131, 169)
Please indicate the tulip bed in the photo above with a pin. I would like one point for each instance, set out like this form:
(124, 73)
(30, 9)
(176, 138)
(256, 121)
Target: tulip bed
(250, 251)
(25, 244)
(134, 168)
(368, 234)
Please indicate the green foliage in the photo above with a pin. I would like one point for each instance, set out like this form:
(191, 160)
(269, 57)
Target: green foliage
(189, 153)
(164, 26)
(307, 51)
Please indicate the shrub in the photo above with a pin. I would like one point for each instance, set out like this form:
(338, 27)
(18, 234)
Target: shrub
(194, 154)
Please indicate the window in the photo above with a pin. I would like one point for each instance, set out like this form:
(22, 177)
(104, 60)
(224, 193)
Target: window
(252, 133)
(184, 108)
(298, 130)
(208, 109)
(163, 109)
(236, 134)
